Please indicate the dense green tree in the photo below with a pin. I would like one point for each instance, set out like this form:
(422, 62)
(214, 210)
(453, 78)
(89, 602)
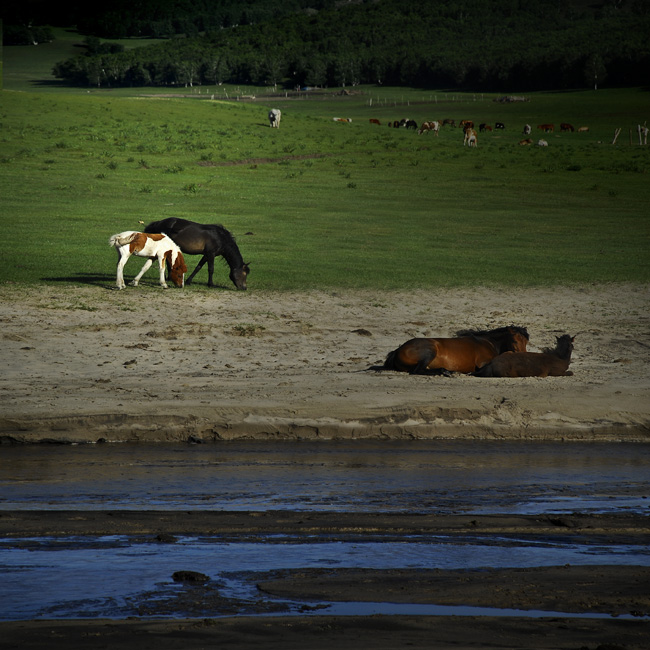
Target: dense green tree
(502, 45)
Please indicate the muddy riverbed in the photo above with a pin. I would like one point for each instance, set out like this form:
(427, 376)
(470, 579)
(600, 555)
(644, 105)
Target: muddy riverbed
(364, 544)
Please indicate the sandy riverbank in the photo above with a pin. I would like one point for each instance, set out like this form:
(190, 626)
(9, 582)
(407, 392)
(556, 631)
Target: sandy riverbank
(90, 363)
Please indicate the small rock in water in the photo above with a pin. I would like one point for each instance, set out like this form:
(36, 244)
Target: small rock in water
(193, 577)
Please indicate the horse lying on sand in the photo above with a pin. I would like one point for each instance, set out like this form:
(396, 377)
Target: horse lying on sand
(468, 351)
(209, 240)
(153, 246)
(550, 363)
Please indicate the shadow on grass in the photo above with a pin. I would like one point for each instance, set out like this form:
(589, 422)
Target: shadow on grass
(107, 281)
(93, 279)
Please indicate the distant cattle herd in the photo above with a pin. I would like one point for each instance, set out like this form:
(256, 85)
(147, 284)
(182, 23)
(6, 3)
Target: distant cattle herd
(470, 133)
(470, 136)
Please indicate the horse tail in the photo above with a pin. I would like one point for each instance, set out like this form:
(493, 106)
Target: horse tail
(122, 238)
(389, 363)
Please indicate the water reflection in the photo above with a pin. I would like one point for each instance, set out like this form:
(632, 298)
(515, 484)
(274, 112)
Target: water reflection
(404, 476)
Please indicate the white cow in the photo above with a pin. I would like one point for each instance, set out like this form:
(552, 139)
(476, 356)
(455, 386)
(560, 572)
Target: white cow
(275, 115)
(527, 129)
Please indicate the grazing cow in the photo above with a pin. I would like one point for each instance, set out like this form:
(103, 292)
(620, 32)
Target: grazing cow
(547, 128)
(470, 138)
(449, 121)
(275, 115)
(342, 119)
(565, 126)
(410, 124)
(525, 142)
(583, 129)
(466, 124)
(482, 127)
(394, 124)
(542, 143)
(499, 125)
(527, 129)
(152, 246)
(374, 121)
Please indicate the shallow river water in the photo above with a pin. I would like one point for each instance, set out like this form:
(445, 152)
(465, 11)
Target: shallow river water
(431, 477)
(111, 576)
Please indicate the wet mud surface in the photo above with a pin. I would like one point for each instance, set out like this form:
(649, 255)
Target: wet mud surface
(324, 606)
(312, 545)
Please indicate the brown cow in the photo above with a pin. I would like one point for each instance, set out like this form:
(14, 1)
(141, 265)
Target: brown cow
(565, 126)
(374, 121)
(547, 128)
(525, 142)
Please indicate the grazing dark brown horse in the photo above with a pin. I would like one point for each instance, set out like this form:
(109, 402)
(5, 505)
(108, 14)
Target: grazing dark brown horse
(466, 352)
(550, 363)
(209, 240)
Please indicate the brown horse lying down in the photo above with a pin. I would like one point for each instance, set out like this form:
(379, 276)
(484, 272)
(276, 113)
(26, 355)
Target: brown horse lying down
(551, 363)
(466, 352)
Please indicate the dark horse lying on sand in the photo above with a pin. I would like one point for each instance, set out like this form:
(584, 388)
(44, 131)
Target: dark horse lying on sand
(466, 352)
(209, 240)
(550, 363)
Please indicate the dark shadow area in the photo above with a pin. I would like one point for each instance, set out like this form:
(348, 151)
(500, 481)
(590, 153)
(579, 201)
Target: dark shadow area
(52, 83)
(93, 279)
(104, 279)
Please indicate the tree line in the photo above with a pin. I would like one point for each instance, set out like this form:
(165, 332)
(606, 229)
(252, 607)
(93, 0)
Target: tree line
(490, 45)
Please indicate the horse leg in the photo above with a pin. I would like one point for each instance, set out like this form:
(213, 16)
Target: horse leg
(210, 270)
(145, 268)
(162, 264)
(123, 257)
(199, 266)
(422, 366)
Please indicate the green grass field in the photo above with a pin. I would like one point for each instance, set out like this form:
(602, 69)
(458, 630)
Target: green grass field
(329, 205)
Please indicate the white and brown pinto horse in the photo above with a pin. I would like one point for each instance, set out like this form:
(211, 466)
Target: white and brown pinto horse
(151, 246)
(470, 138)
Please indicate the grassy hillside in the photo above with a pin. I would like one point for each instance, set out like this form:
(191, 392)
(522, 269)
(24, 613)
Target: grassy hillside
(323, 204)
(30, 67)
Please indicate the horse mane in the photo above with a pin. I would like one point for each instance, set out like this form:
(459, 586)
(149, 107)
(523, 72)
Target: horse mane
(499, 331)
(222, 230)
(228, 245)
